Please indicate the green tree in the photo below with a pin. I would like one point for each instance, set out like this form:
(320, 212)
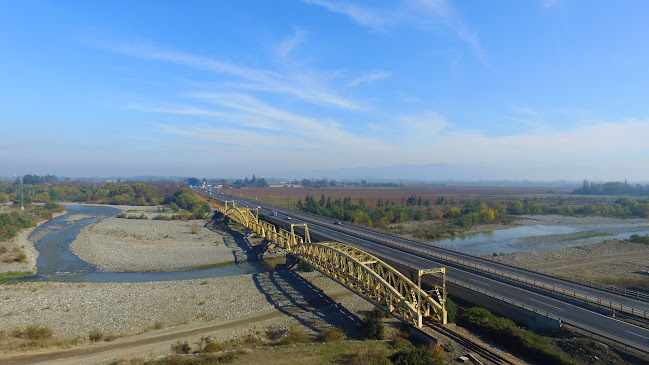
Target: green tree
(515, 208)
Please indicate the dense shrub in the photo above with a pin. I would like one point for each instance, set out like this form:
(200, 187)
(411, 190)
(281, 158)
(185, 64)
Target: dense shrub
(181, 347)
(95, 335)
(295, 335)
(372, 327)
(451, 310)
(212, 346)
(33, 332)
(12, 223)
(331, 334)
(635, 238)
(505, 332)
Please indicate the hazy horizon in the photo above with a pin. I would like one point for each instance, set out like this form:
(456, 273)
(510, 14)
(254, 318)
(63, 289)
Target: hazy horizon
(534, 90)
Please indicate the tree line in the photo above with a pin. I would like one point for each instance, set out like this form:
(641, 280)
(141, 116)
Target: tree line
(245, 183)
(386, 212)
(612, 188)
(462, 214)
(88, 192)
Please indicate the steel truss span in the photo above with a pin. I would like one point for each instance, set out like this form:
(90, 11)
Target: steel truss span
(357, 270)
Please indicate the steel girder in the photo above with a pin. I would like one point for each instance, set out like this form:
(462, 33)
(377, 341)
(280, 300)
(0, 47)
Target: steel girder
(359, 271)
(372, 279)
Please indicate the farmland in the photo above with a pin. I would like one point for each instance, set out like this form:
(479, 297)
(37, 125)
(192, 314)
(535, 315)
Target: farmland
(288, 197)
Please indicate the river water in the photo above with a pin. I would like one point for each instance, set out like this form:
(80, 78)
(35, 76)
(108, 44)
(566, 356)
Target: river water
(517, 239)
(57, 263)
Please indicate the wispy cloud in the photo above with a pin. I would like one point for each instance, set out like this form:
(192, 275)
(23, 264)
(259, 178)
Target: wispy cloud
(307, 86)
(369, 78)
(372, 17)
(290, 43)
(239, 115)
(426, 14)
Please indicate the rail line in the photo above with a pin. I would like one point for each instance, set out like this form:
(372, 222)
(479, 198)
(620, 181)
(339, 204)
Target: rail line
(488, 355)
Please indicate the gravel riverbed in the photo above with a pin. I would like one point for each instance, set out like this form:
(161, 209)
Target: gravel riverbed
(75, 309)
(131, 245)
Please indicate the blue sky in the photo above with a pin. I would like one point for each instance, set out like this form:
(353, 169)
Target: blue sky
(538, 90)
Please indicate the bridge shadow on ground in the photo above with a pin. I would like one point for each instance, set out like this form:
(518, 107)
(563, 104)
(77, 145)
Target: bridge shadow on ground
(242, 250)
(298, 298)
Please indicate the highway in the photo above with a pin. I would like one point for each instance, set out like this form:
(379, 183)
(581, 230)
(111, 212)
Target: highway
(484, 275)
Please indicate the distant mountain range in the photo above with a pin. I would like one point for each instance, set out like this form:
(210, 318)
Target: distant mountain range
(439, 172)
(434, 172)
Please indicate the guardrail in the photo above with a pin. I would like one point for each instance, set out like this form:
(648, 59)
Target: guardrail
(556, 289)
(641, 312)
(591, 283)
(544, 313)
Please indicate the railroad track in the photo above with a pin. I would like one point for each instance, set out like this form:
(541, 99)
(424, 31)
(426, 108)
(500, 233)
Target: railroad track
(483, 352)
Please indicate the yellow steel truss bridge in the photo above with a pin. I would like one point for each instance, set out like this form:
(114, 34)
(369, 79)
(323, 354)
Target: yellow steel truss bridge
(359, 271)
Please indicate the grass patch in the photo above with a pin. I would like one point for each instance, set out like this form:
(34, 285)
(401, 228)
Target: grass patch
(12, 275)
(547, 347)
(331, 334)
(345, 352)
(33, 332)
(586, 235)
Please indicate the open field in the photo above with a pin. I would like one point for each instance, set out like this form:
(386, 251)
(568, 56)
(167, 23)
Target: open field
(288, 197)
(618, 263)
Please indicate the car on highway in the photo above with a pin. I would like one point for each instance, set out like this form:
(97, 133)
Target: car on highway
(338, 223)
(288, 218)
(259, 207)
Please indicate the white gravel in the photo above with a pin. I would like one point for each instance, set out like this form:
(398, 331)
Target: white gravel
(75, 309)
(130, 245)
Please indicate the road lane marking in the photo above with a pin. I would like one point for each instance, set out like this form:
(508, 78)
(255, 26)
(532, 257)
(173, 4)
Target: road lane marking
(477, 281)
(538, 301)
(635, 334)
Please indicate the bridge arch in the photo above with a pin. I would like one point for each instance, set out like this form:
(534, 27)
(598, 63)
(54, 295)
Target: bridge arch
(357, 270)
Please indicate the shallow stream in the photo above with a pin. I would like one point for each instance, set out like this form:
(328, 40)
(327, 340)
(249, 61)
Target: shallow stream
(57, 263)
(522, 239)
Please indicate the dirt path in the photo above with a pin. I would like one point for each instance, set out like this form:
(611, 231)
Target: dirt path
(144, 344)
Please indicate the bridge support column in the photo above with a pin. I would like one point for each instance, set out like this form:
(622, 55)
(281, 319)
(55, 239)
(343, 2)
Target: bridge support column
(292, 262)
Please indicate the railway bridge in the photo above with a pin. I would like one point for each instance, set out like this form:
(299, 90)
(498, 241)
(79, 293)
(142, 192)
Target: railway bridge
(357, 270)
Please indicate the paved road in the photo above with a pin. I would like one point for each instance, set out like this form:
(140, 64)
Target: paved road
(528, 295)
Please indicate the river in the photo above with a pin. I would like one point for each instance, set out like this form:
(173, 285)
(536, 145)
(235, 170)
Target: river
(522, 239)
(57, 263)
